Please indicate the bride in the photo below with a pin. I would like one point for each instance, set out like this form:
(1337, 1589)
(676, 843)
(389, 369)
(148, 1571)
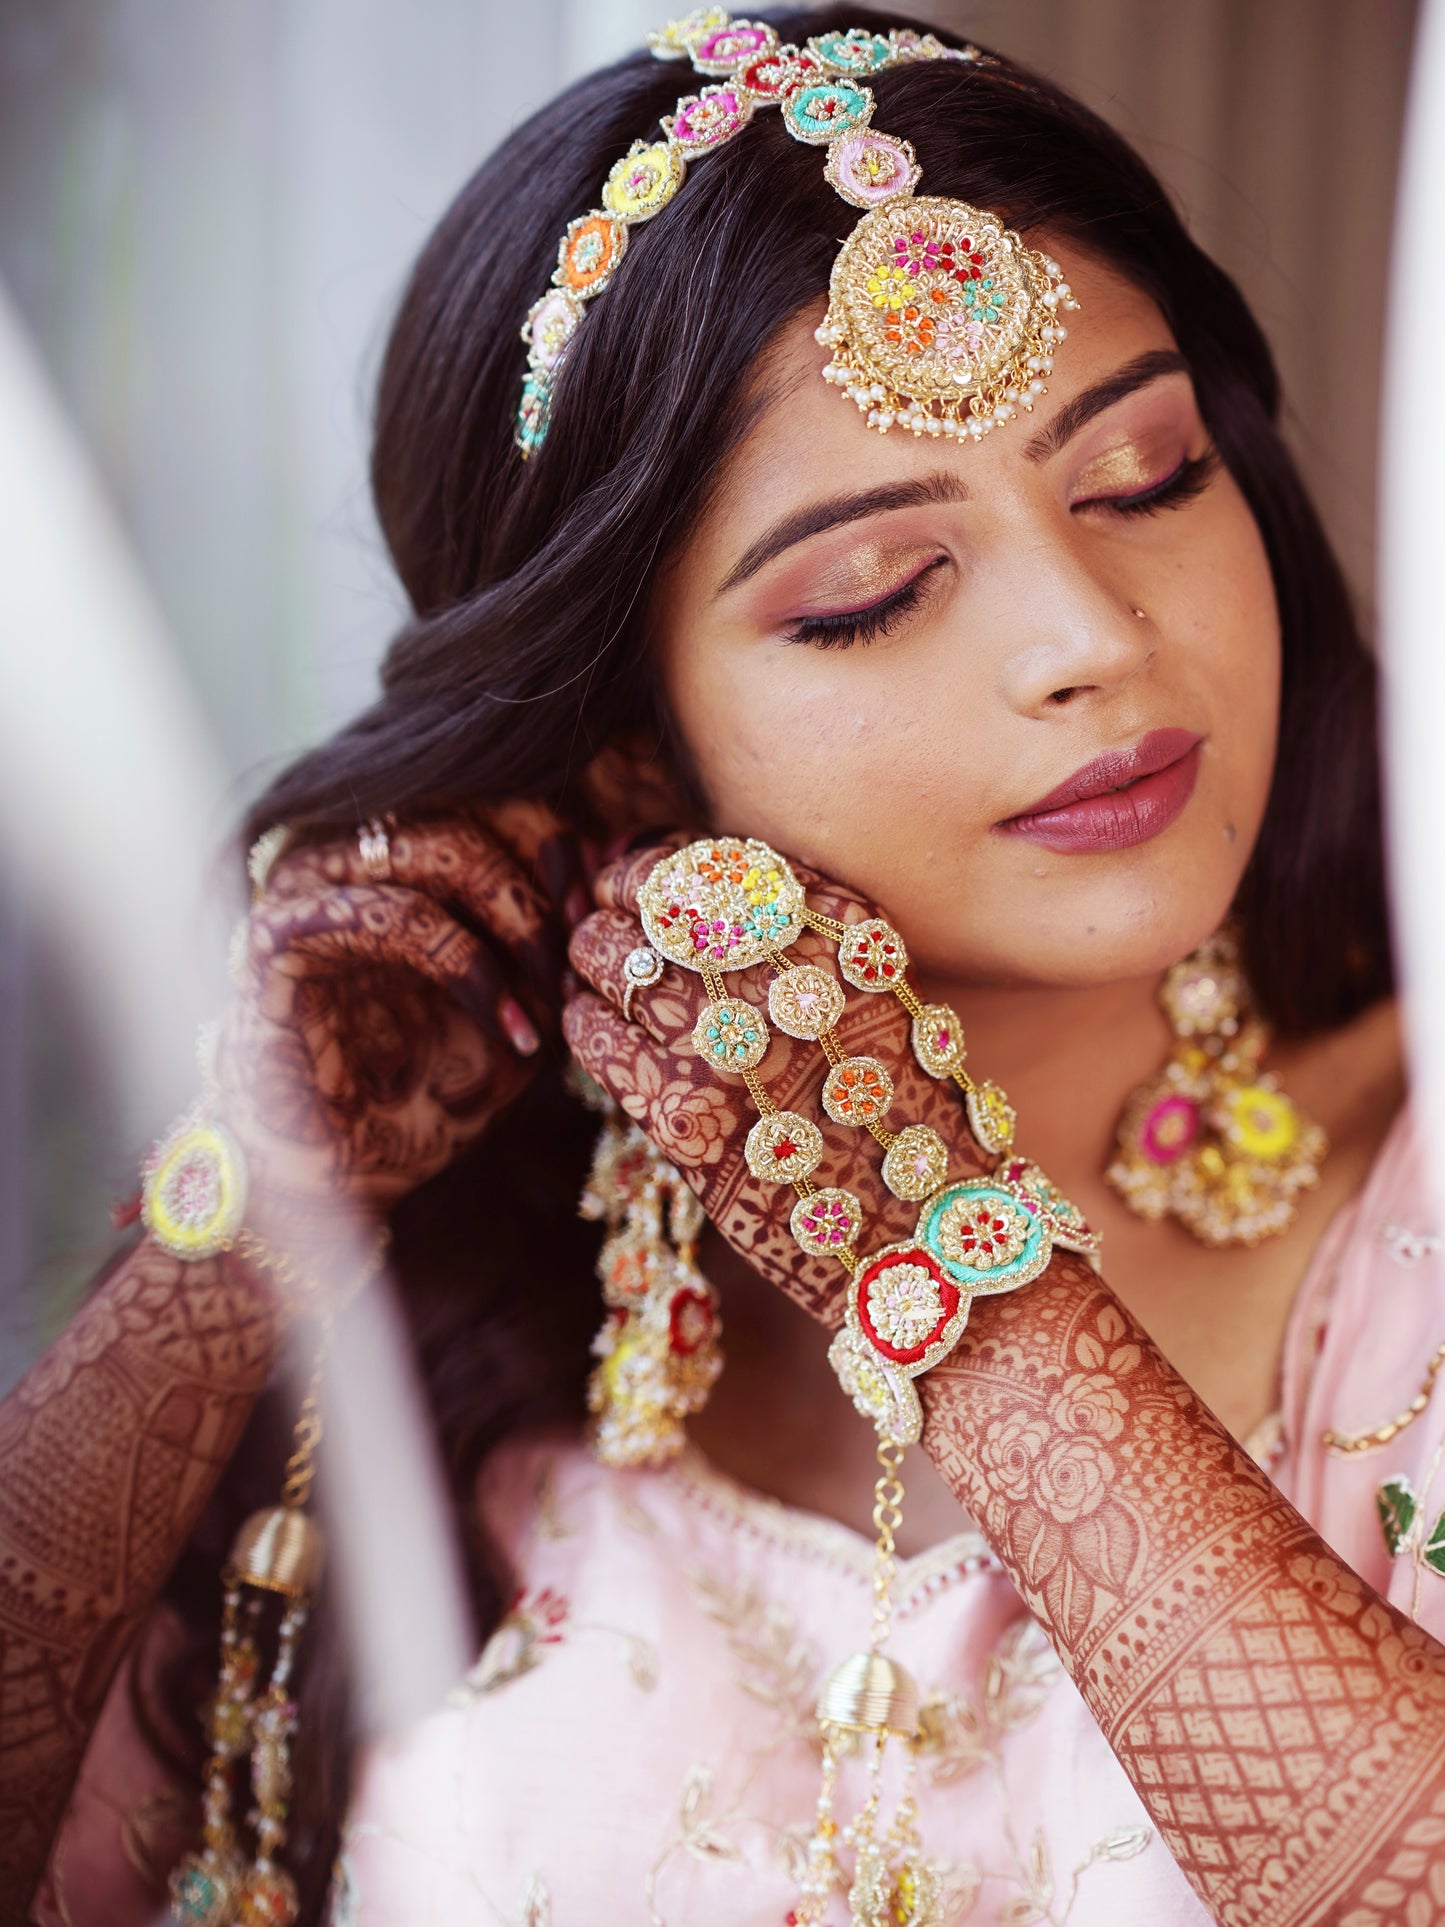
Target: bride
(888, 479)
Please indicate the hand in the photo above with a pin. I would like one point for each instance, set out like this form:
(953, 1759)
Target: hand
(699, 1117)
(381, 1024)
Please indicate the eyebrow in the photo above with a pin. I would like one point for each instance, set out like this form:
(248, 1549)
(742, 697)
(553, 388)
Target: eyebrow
(942, 486)
(1074, 414)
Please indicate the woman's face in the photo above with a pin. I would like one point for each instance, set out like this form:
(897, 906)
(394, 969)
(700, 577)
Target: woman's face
(1022, 693)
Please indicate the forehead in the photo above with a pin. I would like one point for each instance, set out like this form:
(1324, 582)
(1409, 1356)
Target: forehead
(808, 435)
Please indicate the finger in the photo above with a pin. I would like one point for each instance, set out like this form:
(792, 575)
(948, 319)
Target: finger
(674, 1099)
(456, 861)
(696, 1125)
(599, 950)
(618, 883)
(335, 930)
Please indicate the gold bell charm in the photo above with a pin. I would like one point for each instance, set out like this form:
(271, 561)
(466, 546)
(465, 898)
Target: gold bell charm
(867, 1700)
(277, 1554)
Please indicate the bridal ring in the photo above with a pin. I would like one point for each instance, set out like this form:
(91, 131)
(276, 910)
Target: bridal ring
(641, 969)
(374, 846)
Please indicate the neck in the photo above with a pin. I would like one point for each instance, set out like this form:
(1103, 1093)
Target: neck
(1068, 1058)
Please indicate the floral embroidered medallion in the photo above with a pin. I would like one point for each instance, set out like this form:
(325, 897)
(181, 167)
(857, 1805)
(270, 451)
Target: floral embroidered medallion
(805, 1001)
(193, 1197)
(644, 181)
(991, 1118)
(872, 956)
(869, 168)
(939, 315)
(828, 1222)
(938, 1040)
(675, 40)
(984, 1236)
(725, 47)
(783, 1147)
(704, 121)
(858, 1092)
(771, 75)
(590, 251)
(1168, 1128)
(822, 111)
(906, 1306)
(916, 1163)
(534, 411)
(1259, 1121)
(1068, 1226)
(721, 904)
(550, 325)
(880, 1392)
(731, 1035)
(855, 52)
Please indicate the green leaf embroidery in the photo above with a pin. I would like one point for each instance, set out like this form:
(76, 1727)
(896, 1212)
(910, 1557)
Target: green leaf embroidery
(1434, 1553)
(1397, 1505)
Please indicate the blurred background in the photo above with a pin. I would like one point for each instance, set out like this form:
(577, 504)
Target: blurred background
(207, 211)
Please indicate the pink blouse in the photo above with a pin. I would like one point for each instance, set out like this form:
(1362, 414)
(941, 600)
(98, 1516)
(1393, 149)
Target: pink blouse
(636, 1743)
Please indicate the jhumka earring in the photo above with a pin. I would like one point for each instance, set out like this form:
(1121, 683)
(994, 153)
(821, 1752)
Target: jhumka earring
(658, 1352)
(721, 906)
(1213, 1141)
(940, 321)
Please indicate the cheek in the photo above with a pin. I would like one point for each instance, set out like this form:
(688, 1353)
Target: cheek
(846, 769)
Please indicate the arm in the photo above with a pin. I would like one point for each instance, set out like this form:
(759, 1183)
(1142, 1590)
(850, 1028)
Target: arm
(110, 1447)
(1284, 1726)
(368, 1045)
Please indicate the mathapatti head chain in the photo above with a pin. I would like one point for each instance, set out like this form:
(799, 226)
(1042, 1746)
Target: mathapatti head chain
(940, 321)
(723, 905)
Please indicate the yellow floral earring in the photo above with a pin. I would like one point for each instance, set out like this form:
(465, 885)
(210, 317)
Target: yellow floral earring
(1213, 1141)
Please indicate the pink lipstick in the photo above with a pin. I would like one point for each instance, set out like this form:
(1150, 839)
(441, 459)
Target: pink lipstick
(1124, 797)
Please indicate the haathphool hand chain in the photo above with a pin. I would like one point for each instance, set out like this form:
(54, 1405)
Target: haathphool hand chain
(724, 905)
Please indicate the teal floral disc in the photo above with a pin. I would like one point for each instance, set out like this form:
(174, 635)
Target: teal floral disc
(984, 1236)
(731, 1035)
(854, 52)
(826, 110)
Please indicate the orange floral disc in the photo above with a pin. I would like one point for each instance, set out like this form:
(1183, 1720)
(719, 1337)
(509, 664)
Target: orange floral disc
(858, 1092)
(590, 251)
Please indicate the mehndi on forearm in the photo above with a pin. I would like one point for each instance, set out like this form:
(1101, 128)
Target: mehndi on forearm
(110, 1447)
(1284, 1726)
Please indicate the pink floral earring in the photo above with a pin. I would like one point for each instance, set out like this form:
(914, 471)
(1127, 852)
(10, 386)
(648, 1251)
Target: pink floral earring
(1213, 1141)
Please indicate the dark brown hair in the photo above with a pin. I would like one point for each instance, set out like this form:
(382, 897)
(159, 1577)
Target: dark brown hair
(526, 651)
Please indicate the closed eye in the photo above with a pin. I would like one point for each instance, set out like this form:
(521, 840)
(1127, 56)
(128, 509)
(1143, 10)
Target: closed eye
(845, 627)
(1181, 485)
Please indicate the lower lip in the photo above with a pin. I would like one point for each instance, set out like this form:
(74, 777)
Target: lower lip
(1118, 820)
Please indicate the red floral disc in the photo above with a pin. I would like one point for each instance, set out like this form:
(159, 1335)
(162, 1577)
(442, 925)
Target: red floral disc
(873, 956)
(906, 1306)
(690, 1320)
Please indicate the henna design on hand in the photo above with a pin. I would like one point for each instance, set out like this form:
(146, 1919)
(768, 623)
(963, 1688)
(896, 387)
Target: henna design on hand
(700, 1118)
(109, 1449)
(1283, 1724)
(363, 1051)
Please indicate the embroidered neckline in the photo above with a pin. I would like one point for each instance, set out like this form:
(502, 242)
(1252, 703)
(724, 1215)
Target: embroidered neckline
(820, 1540)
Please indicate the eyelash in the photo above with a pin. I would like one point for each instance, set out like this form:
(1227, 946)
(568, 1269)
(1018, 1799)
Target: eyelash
(852, 626)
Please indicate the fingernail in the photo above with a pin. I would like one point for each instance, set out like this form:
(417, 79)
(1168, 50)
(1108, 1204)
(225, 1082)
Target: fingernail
(518, 1026)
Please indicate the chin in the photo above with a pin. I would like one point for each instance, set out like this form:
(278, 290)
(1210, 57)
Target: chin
(1082, 933)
